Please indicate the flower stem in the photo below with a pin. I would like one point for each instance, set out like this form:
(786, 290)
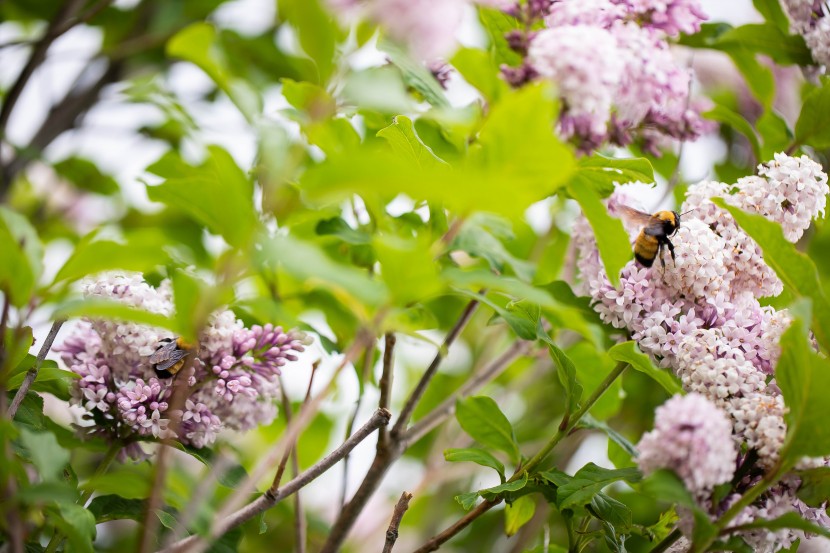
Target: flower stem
(668, 541)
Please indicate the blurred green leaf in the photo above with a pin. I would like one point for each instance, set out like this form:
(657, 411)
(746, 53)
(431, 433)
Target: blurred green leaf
(167, 520)
(611, 511)
(758, 76)
(813, 125)
(127, 481)
(612, 240)
(217, 194)
(566, 371)
(478, 69)
(804, 379)
(796, 270)
(787, 520)
(592, 367)
(85, 175)
(768, 39)
(815, 485)
(78, 524)
(95, 308)
(628, 352)
(600, 173)
(405, 142)
(483, 235)
(46, 454)
(735, 120)
(497, 24)
(518, 513)
(475, 455)
(481, 418)
(21, 257)
(113, 507)
(415, 74)
(587, 421)
(50, 379)
(590, 480)
(773, 13)
(407, 268)
(316, 29)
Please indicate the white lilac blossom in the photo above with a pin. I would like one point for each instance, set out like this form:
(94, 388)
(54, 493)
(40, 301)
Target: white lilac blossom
(701, 315)
(232, 382)
(809, 19)
(616, 74)
(692, 437)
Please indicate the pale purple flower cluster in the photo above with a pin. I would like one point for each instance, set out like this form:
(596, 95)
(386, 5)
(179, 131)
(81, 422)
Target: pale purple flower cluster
(616, 74)
(701, 316)
(809, 19)
(692, 437)
(232, 382)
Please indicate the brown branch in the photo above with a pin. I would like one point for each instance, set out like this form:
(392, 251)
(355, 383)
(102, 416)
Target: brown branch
(435, 417)
(286, 406)
(385, 383)
(397, 515)
(436, 541)
(299, 517)
(267, 500)
(31, 374)
(368, 362)
(418, 392)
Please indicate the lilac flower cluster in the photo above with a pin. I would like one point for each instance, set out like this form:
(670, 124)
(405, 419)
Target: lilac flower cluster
(232, 381)
(701, 316)
(692, 436)
(616, 74)
(809, 19)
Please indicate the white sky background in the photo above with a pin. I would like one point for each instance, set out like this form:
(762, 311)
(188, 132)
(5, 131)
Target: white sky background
(109, 137)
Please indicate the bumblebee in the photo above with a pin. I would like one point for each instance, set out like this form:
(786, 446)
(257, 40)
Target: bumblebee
(654, 235)
(169, 357)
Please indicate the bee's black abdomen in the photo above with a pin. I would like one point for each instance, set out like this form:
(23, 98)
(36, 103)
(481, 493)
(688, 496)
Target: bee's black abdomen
(163, 373)
(644, 261)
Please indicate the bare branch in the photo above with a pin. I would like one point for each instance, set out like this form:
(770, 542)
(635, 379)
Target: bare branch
(386, 376)
(418, 392)
(436, 541)
(299, 516)
(397, 515)
(368, 362)
(31, 374)
(286, 406)
(267, 500)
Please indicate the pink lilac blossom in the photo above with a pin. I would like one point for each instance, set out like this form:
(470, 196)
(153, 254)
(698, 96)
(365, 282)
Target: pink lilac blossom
(692, 437)
(232, 382)
(809, 19)
(701, 316)
(616, 74)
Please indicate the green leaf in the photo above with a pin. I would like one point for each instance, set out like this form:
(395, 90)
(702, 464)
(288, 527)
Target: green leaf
(415, 74)
(518, 513)
(601, 173)
(773, 13)
(407, 267)
(475, 455)
(590, 480)
(481, 418)
(478, 69)
(497, 24)
(804, 379)
(785, 521)
(167, 520)
(759, 77)
(78, 525)
(141, 250)
(815, 485)
(50, 379)
(336, 226)
(467, 500)
(114, 310)
(612, 240)
(813, 125)
(405, 142)
(21, 257)
(775, 132)
(628, 352)
(592, 367)
(611, 511)
(587, 421)
(127, 481)
(483, 235)
(216, 194)
(46, 454)
(795, 269)
(113, 507)
(735, 120)
(497, 491)
(566, 371)
(309, 98)
(666, 486)
(85, 175)
(767, 38)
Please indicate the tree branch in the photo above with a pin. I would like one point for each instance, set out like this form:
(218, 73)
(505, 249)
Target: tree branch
(397, 515)
(386, 378)
(439, 539)
(299, 517)
(267, 500)
(31, 374)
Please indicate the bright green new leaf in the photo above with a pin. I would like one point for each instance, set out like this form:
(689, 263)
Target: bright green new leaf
(415, 74)
(21, 257)
(512, 486)
(590, 480)
(796, 270)
(407, 268)
(518, 513)
(813, 125)
(217, 194)
(99, 308)
(475, 455)
(46, 454)
(467, 500)
(316, 29)
(405, 142)
(481, 418)
(804, 379)
(601, 173)
(628, 352)
(612, 240)
(478, 68)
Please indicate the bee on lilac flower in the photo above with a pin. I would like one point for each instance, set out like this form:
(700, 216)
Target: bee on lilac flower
(654, 235)
(169, 357)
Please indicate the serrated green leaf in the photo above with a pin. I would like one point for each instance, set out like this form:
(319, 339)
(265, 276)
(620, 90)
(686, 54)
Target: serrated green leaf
(481, 418)
(518, 513)
(475, 455)
(628, 352)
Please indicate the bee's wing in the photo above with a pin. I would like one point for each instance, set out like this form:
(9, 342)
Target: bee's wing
(174, 357)
(163, 352)
(634, 216)
(655, 227)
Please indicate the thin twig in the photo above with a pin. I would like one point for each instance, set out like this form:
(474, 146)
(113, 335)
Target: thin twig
(439, 539)
(418, 392)
(397, 515)
(267, 500)
(299, 516)
(667, 542)
(4, 321)
(434, 418)
(286, 406)
(386, 378)
(368, 362)
(31, 374)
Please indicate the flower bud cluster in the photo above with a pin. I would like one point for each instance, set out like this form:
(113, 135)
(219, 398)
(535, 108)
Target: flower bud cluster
(231, 383)
(701, 315)
(615, 72)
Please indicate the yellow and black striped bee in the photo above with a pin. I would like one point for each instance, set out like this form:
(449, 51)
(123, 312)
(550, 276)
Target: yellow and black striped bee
(169, 357)
(654, 235)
